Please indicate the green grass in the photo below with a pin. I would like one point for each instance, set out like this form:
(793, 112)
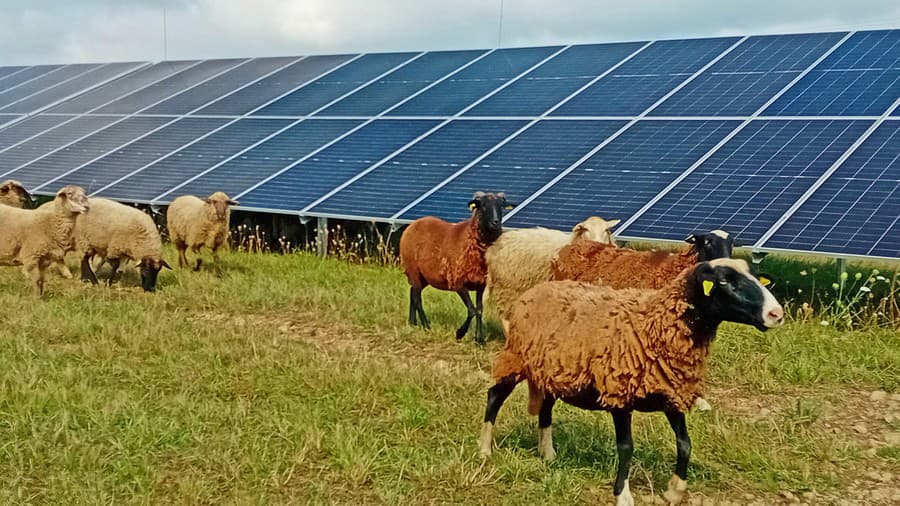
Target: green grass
(293, 379)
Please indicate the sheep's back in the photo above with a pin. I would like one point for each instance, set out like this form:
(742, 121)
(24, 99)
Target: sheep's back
(432, 249)
(115, 230)
(594, 262)
(185, 219)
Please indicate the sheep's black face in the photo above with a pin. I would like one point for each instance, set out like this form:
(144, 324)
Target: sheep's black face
(488, 209)
(150, 272)
(712, 245)
(724, 290)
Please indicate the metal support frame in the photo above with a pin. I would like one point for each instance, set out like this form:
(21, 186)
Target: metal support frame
(322, 237)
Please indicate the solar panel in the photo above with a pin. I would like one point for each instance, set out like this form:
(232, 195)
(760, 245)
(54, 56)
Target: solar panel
(862, 77)
(223, 84)
(253, 166)
(643, 80)
(742, 81)
(27, 128)
(517, 168)
(164, 174)
(476, 81)
(401, 83)
(26, 76)
(49, 140)
(746, 185)
(335, 84)
(385, 190)
(856, 211)
(296, 187)
(6, 71)
(44, 83)
(624, 175)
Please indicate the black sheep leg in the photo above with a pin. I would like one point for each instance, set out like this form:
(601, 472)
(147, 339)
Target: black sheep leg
(470, 313)
(415, 307)
(114, 263)
(87, 274)
(497, 394)
(678, 483)
(479, 324)
(625, 447)
(545, 429)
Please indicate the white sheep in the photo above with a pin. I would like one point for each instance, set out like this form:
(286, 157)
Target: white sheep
(37, 238)
(195, 223)
(117, 232)
(13, 194)
(599, 348)
(520, 259)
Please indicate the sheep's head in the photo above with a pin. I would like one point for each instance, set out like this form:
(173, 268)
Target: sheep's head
(221, 203)
(150, 268)
(712, 245)
(73, 199)
(487, 209)
(12, 193)
(724, 290)
(596, 229)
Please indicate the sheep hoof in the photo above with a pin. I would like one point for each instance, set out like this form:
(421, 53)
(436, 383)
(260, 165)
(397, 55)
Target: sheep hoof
(545, 444)
(676, 491)
(701, 404)
(625, 498)
(486, 441)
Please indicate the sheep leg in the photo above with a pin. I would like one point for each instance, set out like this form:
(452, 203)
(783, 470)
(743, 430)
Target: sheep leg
(497, 394)
(216, 261)
(87, 274)
(625, 447)
(479, 306)
(545, 429)
(114, 263)
(36, 273)
(678, 483)
(415, 307)
(196, 250)
(182, 256)
(470, 313)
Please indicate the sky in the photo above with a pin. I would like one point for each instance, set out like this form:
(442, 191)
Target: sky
(71, 31)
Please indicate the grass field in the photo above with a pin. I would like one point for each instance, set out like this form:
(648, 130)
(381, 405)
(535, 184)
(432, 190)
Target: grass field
(293, 379)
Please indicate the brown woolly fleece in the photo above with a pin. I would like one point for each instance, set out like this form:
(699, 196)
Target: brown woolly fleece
(566, 337)
(594, 262)
(447, 256)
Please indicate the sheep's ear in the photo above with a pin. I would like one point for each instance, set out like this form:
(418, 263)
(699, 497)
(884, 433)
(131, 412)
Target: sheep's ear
(694, 238)
(473, 204)
(233, 203)
(764, 279)
(165, 264)
(579, 229)
(501, 195)
(207, 200)
(477, 195)
(612, 223)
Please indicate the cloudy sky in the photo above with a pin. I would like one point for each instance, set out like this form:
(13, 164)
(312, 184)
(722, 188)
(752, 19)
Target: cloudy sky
(52, 31)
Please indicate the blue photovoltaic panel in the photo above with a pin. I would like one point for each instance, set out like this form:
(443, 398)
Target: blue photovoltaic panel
(122, 86)
(49, 140)
(403, 82)
(857, 210)
(275, 85)
(266, 159)
(333, 85)
(28, 74)
(219, 86)
(644, 79)
(547, 85)
(474, 82)
(625, 174)
(397, 182)
(166, 88)
(192, 160)
(861, 77)
(127, 159)
(41, 84)
(518, 168)
(6, 71)
(83, 151)
(742, 81)
(70, 87)
(27, 128)
(746, 185)
(309, 180)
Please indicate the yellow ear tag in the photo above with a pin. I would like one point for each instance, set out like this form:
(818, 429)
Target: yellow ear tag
(764, 281)
(508, 207)
(472, 206)
(707, 287)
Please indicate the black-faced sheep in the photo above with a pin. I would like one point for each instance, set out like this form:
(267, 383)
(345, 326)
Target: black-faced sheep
(520, 259)
(37, 238)
(195, 223)
(598, 348)
(450, 256)
(117, 232)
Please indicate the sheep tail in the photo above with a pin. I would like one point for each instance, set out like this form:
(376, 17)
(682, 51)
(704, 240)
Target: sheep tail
(535, 398)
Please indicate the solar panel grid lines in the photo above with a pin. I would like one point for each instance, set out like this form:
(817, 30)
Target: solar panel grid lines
(400, 104)
(625, 127)
(827, 174)
(26, 129)
(55, 79)
(627, 223)
(49, 139)
(18, 70)
(30, 75)
(9, 119)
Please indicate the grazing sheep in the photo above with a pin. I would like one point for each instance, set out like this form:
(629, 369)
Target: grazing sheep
(37, 238)
(114, 232)
(520, 259)
(195, 223)
(13, 194)
(450, 256)
(598, 348)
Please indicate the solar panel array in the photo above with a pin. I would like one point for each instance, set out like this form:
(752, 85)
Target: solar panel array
(789, 141)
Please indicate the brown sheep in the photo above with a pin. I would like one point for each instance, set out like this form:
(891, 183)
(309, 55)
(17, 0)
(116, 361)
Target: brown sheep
(450, 256)
(598, 348)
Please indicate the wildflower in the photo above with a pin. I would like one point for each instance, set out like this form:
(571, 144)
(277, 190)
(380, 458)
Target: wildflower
(824, 323)
(858, 276)
(803, 273)
(799, 290)
(881, 278)
(835, 286)
(875, 272)
(865, 289)
(814, 270)
(844, 276)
